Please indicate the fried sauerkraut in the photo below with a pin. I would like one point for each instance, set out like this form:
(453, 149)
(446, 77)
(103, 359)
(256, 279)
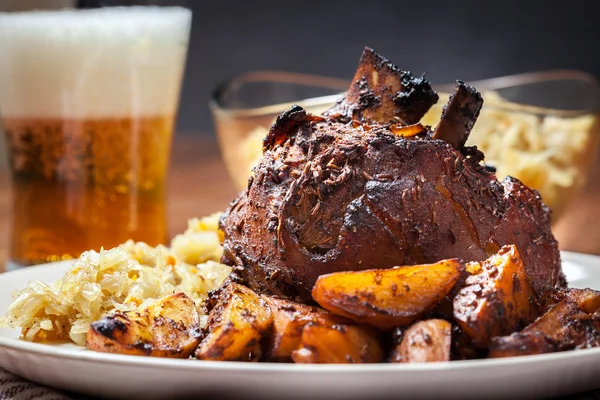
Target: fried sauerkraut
(125, 278)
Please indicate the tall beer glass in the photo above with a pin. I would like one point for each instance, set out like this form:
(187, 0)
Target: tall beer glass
(88, 100)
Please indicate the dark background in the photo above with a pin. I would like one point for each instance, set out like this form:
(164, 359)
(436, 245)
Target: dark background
(447, 39)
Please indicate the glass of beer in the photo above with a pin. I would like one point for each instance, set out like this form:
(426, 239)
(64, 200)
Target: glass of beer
(88, 100)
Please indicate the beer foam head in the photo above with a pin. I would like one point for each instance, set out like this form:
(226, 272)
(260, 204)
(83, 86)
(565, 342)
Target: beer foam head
(108, 62)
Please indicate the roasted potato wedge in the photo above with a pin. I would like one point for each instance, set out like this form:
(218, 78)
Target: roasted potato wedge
(462, 347)
(424, 341)
(521, 344)
(236, 325)
(168, 328)
(387, 298)
(572, 323)
(326, 343)
(588, 300)
(497, 298)
(289, 319)
(557, 322)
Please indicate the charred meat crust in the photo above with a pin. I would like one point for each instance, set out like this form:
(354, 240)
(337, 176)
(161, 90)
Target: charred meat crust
(334, 198)
(286, 123)
(331, 194)
(382, 93)
(459, 115)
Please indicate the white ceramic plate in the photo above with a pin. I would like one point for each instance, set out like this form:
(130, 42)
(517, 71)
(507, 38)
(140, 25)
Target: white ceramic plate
(79, 370)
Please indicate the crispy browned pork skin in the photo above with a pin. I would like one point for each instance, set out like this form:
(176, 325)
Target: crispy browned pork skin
(572, 323)
(365, 186)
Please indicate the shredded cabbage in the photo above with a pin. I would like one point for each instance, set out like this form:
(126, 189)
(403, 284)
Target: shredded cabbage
(125, 278)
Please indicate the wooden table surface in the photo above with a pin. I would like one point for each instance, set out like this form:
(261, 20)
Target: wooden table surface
(199, 185)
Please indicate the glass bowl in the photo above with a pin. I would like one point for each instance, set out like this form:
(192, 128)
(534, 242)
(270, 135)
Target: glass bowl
(245, 106)
(541, 128)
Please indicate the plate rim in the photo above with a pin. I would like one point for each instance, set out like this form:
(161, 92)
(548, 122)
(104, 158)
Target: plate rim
(85, 355)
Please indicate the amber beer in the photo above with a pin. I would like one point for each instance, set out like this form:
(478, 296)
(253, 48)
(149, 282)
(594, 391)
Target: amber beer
(88, 101)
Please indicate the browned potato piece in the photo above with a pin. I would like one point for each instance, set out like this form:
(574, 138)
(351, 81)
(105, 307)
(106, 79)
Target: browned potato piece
(236, 324)
(324, 343)
(424, 341)
(168, 328)
(497, 298)
(521, 344)
(555, 323)
(462, 347)
(289, 319)
(588, 300)
(569, 324)
(387, 298)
